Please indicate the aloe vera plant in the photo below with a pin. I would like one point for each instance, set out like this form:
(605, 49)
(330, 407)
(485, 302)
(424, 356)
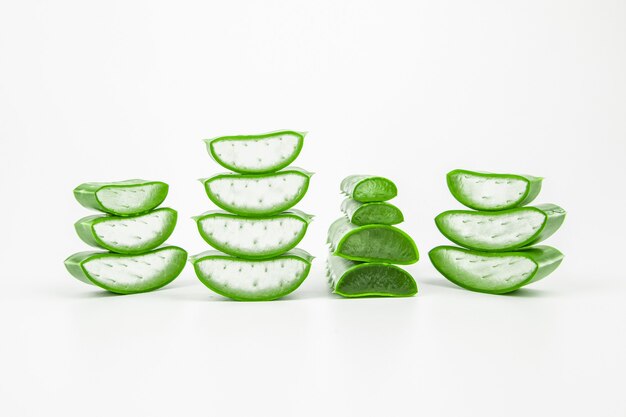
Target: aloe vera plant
(368, 188)
(128, 274)
(122, 198)
(252, 280)
(488, 191)
(378, 212)
(502, 230)
(256, 154)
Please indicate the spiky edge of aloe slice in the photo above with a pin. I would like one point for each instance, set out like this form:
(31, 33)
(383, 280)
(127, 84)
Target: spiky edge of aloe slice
(258, 213)
(75, 264)
(297, 214)
(390, 280)
(210, 144)
(553, 219)
(87, 195)
(298, 254)
(368, 188)
(341, 233)
(545, 258)
(533, 187)
(378, 212)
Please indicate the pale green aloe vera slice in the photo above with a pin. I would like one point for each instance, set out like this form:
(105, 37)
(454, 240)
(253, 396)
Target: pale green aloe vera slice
(256, 154)
(258, 195)
(371, 213)
(495, 272)
(128, 274)
(364, 279)
(501, 230)
(371, 243)
(122, 198)
(368, 188)
(252, 280)
(488, 191)
(253, 238)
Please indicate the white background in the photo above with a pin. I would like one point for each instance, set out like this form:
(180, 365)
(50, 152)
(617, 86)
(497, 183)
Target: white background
(97, 91)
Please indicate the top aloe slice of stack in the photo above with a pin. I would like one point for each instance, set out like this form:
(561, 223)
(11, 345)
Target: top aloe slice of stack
(122, 198)
(378, 212)
(368, 188)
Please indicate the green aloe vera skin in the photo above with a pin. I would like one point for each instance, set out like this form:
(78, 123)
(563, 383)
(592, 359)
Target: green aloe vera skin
(378, 212)
(129, 235)
(368, 188)
(257, 195)
(252, 280)
(256, 154)
(128, 274)
(502, 230)
(371, 243)
(495, 272)
(122, 198)
(363, 279)
(253, 238)
(491, 192)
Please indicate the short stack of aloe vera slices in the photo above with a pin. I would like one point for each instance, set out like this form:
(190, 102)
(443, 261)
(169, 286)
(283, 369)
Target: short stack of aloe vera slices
(256, 231)
(497, 235)
(365, 245)
(131, 230)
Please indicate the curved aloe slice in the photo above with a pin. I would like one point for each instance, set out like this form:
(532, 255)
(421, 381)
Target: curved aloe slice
(256, 154)
(495, 273)
(122, 198)
(254, 238)
(250, 280)
(363, 279)
(371, 213)
(502, 230)
(128, 235)
(368, 188)
(371, 243)
(257, 195)
(487, 191)
(128, 274)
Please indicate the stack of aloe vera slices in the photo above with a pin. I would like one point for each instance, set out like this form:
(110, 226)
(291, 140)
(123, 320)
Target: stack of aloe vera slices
(497, 255)
(365, 244)
(256, 232)
(131, 230)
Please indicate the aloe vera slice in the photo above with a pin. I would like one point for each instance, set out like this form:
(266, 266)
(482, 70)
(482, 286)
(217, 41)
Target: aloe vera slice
(128, 274)
(488, 191)
(252, 280)
(502, 230)
(371, 243)
(363, 279)
(253, 238)
(368, 188)
(378, 212)
(257, 195)
(495, 272)
(128, 235)
(122, 198)
(256, 154)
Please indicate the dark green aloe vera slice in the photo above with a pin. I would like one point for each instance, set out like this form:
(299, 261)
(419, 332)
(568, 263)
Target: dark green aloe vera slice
(378, 212)
(495, 272)
(252, 280)
(253, 238)
(256, 154)
(502, 230)
(371, 243)
(128, 235)
(368, 188)
(128, 274)
(363, 279)
(488, 191)
(122, 198)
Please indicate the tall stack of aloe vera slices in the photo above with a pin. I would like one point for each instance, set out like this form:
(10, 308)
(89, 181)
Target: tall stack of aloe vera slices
(131, 230)
(498, 255)
(365, 245)
(256, 232)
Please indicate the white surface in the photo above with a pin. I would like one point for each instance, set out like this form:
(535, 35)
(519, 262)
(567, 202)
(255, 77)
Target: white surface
(409, 90)
(136, 232)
